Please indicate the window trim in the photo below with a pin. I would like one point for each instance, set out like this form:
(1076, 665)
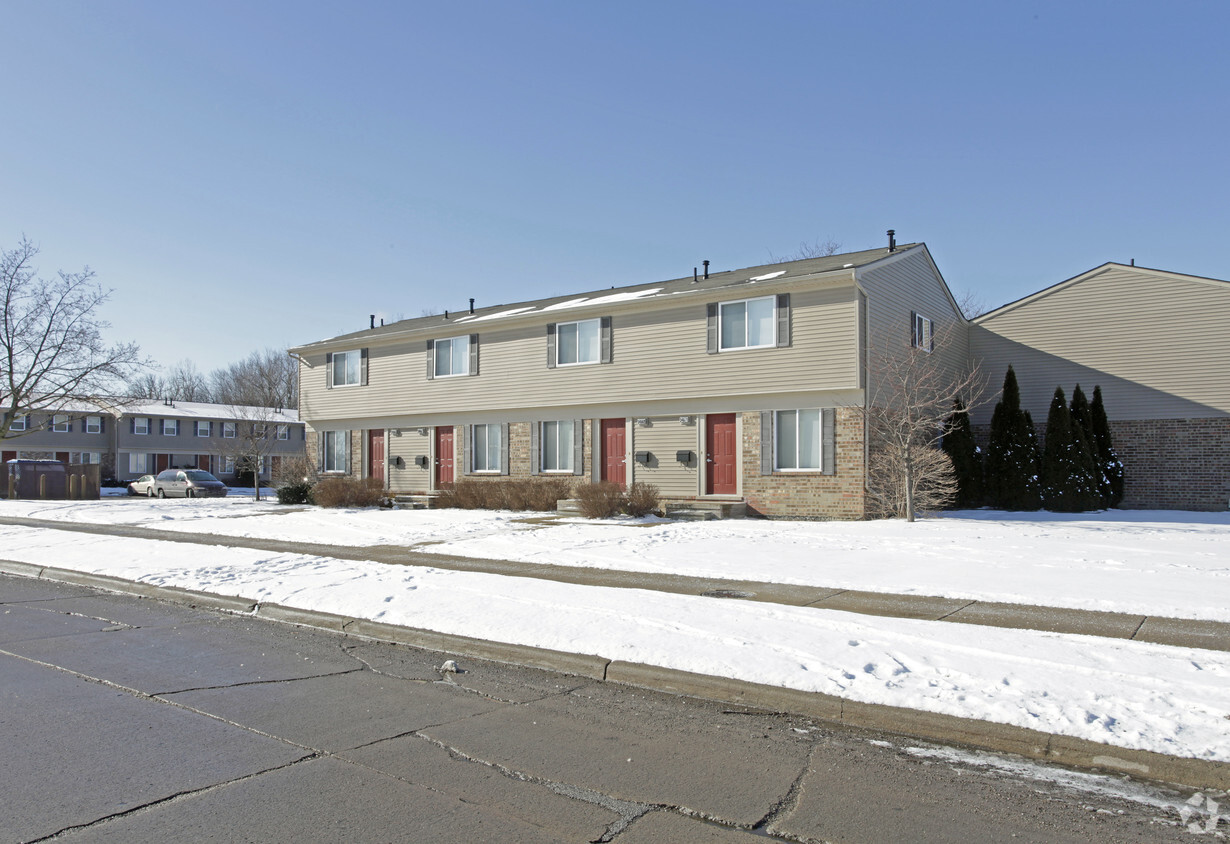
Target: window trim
(501, 452)
(98, 429)
(61, 423)
(234, 430)
(564, 451)
(142, 459)
(282, 431)
(722, 306)
(18, 423)
(136, 428)
(326, 453)
(469, 359)
(777, 467)
(167, 424)
(559, 346)
(331, 360)
(922, 332)
(209, 428)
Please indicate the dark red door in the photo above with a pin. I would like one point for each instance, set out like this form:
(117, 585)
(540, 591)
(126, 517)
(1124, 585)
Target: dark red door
(444, 456)
(614, 437)
(202, 462)
(6, 456)
(375, 453)
(161, 461)
(721, 454)
(62, 456)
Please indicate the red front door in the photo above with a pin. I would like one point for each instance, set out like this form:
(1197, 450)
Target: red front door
(202, 462)
(444, 456)
(62, 456)
(161, 461)
(375, 453)
(614, 438)
(721, 454)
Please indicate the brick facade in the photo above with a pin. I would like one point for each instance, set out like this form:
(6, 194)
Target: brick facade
(805, 495)
(1174, 464)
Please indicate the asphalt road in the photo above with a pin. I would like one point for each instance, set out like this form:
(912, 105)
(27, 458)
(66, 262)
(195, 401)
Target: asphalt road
(130, 720)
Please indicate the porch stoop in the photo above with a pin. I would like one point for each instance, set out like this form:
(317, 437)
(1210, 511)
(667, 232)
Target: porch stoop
(689, 510)
(413, 502)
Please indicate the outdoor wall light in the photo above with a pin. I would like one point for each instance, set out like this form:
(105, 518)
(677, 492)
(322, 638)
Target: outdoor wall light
(643, 457)
(686, 420)
(422, 432)
(421, 461)
(684, 457)
(397, 462)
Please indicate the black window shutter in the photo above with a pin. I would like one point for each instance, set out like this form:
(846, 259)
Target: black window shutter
(711, 327)
(473, 354)
(132, 424)
(467, 450)
(766, 442)
(504, 448)
(329, 370)
(102, 424)
(535, 447)
(550, 345)
(578, 446)
(431, 359)
(913, 330)
(783, 320)
(828, 436)
(606, 339)
(363, 367)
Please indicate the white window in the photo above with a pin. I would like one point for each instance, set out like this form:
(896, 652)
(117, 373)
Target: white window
(923, 333)
(93, 425)
(557, 445)
(228, 465)
(452, 357)
(59, 423)
(258, 430)
(85, 457)
(487, 448)
(579, 342)
(798, 439)
(202, 428)
(750, 323)
(347, 368)
(140, 425)
(284, 432)
(228, 430)
(170, 427)
(335, 450)
(19, 423)
(136, 464)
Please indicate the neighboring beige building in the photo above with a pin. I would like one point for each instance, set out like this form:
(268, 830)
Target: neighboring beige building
(1156, 342)
(737, 386)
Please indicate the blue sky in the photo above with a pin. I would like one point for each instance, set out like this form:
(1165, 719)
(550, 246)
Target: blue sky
(250, 174)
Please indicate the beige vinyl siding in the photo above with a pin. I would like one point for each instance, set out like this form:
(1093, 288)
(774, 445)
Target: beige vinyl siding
(662, 438)
(898, 286)
(408, 477)
(658, 354)
(1157, 344)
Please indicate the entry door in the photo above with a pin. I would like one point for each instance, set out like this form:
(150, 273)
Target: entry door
(444, 456)
(375, 453)
(614, 437)
(62, 456)
(161, 462)
(721, 454)
(202, 462)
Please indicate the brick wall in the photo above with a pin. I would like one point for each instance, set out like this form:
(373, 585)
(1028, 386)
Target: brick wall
(1174, 464)
(806, 495)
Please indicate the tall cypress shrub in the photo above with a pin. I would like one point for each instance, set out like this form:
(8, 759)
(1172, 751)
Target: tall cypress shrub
(1012, 453)
(1108, 461)
(959, 445)
(1067, 485)
(1082, 429)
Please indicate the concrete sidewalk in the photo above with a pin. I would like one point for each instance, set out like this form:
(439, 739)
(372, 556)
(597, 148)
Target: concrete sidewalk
(1211, 635)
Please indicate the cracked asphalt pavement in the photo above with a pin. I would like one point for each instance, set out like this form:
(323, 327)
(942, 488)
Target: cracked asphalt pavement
(131, 720)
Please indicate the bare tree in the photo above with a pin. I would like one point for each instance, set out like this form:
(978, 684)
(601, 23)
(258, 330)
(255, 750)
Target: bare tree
(971, 304)
(912, 394)
(818, 249)
(268, 378)
(258, 430)
(184, 382)
(150, 385)
(52, 352)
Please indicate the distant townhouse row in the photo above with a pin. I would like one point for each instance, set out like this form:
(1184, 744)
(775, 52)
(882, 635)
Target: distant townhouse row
(736, 386)
(146, 437)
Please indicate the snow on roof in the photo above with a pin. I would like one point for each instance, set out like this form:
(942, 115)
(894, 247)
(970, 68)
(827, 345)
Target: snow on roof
(767, 277)
(500, 315)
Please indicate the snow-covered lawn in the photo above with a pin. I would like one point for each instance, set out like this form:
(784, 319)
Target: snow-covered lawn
(1165, 563)
(1124, 693)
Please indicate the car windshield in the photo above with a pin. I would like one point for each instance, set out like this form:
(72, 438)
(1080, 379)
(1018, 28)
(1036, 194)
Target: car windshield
(197, 475)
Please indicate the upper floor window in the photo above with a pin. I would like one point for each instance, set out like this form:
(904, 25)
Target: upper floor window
(922, 332)
(749, 323)
(228, 430)
(204, 428)
(557, 446)
(347, 369)
(18, 423)
(798, 444)
(453, 356)
(283, 432)
(170, 427)
(140, 425)
(60, 423)
(578, 342)
(93, 425)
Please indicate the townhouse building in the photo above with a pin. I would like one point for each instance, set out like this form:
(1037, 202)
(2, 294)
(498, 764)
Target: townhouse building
(740, 386)
(137, 438)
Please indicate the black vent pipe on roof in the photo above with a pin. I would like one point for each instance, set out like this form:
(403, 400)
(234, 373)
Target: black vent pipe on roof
(695, 277)
(471, 306)
(892, 240)
(373, 325)
(706, 263)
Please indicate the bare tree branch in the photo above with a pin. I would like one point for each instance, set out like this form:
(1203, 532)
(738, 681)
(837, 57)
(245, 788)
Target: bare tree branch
(818, 249)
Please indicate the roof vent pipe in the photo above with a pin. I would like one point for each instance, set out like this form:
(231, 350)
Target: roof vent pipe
(892, 240)
(706, 263)
(1133, 262)
(471, 306)
(695, 277)
(373, 325)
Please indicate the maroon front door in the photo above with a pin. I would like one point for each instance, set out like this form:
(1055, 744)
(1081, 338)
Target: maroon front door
(375, 453)
(62, 456)
(202, 462)
(614, 437)
(721, 454)
(6, 456)
(161, 461)
(444, 456)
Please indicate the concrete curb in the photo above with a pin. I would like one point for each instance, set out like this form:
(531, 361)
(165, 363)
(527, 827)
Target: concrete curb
(948, 729)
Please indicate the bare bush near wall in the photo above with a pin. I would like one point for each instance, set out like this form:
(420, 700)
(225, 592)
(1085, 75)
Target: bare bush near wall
(294, 469)
(606, 500)
(348, 492)
(911, 395)
(538, 494)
